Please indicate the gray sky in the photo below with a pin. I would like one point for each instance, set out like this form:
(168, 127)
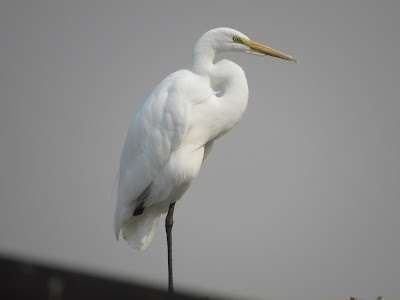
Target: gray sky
(300, 200)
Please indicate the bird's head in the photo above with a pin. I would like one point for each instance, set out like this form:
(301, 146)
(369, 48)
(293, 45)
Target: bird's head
(230, 40)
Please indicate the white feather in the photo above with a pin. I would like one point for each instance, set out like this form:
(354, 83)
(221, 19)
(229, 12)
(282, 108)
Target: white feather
(174, 131)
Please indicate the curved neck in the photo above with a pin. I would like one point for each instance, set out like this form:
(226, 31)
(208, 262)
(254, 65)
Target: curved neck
(219, 73)
(202, 58)
(229, 82)
(228, 90)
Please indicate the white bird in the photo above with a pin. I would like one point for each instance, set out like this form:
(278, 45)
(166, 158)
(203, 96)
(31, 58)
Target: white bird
(174, 131)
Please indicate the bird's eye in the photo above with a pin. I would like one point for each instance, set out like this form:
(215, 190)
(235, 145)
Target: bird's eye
(236, 39)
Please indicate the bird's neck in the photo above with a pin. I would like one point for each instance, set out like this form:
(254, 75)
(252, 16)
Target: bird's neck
(202, 59)
(229, 78)
(229, 81)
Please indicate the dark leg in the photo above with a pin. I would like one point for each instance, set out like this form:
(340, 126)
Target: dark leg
(169, 222)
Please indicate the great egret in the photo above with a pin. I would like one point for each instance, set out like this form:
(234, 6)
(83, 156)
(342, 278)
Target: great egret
(174, 131)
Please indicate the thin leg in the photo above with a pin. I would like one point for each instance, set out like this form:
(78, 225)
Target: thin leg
(169, 222)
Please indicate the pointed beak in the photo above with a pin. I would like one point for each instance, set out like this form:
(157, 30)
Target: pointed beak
(261, 49)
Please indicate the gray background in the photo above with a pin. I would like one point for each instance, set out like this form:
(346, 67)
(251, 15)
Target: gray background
(299, 201)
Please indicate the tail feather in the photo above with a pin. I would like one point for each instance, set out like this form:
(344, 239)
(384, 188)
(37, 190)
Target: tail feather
(139, 230)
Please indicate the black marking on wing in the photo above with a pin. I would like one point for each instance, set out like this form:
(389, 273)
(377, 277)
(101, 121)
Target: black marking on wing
(141, 200)
(139, 210)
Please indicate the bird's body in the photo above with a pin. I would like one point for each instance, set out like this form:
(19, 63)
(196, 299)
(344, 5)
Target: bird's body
(168, 141)
(174, 131)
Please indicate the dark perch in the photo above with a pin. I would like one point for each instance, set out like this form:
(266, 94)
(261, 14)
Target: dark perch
(169, 222)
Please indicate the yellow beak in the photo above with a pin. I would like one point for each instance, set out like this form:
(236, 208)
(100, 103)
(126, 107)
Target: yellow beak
(256, 47)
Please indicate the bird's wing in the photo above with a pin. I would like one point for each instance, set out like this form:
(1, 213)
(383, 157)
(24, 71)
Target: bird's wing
(157, 129)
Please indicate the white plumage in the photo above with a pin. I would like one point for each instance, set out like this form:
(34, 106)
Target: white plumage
(174, 131)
